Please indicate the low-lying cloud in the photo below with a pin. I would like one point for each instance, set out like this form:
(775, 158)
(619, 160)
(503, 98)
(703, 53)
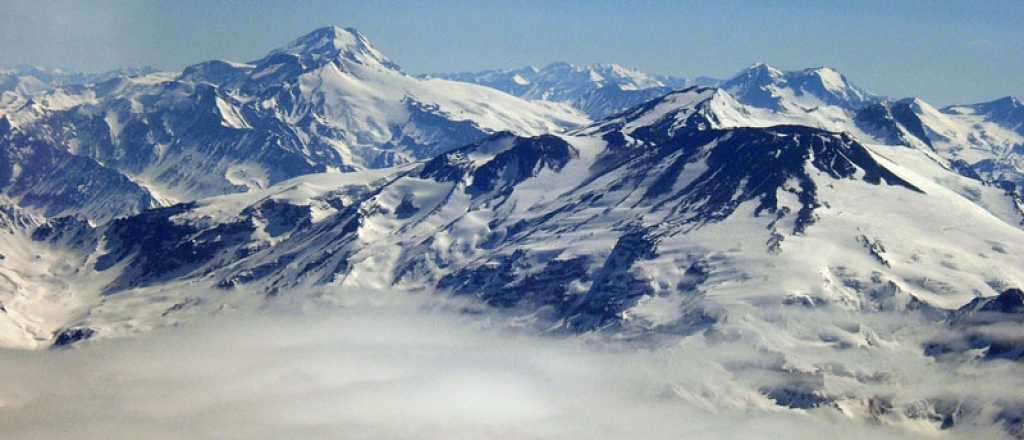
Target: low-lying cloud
(394, 370)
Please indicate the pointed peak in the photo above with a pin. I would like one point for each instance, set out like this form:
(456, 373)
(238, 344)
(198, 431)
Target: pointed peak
(811, 87)
(759, 73)
(833, 81)
(917, 104)
(333, 43)
(763, 67)
(678, 106)
(825, 73)
(334, 37)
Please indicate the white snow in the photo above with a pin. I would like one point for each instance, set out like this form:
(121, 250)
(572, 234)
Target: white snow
(518, 79)
(832, 80)
(232, 117)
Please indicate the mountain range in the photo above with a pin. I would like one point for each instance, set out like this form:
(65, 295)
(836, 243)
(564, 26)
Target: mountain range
(789, 210)
(598, 90)
(326, 101)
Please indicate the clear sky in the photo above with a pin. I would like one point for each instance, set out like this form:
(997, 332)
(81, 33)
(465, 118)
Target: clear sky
(944, 51)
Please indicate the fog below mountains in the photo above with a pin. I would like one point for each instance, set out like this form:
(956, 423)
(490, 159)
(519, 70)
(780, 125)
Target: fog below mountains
(398, 366)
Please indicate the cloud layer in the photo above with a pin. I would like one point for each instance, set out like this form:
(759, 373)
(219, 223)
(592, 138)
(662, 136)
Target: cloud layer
(389, 371)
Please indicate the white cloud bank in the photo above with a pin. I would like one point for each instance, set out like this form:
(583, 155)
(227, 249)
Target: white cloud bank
(387, 371)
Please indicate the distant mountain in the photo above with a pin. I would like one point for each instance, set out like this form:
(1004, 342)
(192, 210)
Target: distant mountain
(1008, 112)
(706, 81)
(326, 101)
(598, 90)
(22, 87)
(29, 80)
(765, 86)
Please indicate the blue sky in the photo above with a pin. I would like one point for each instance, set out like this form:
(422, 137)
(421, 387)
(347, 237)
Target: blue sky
(944, 51)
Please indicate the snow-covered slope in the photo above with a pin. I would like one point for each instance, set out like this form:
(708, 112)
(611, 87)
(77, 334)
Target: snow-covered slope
(598, 90)
(43, 177)
(989, 135)
(326, 101)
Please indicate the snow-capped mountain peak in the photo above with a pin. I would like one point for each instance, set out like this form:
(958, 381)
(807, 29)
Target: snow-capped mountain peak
(765, 86)
(762, 71)
(331, 43)
(694, 107)
(833, 81)
(756, 76)
(919, 105)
